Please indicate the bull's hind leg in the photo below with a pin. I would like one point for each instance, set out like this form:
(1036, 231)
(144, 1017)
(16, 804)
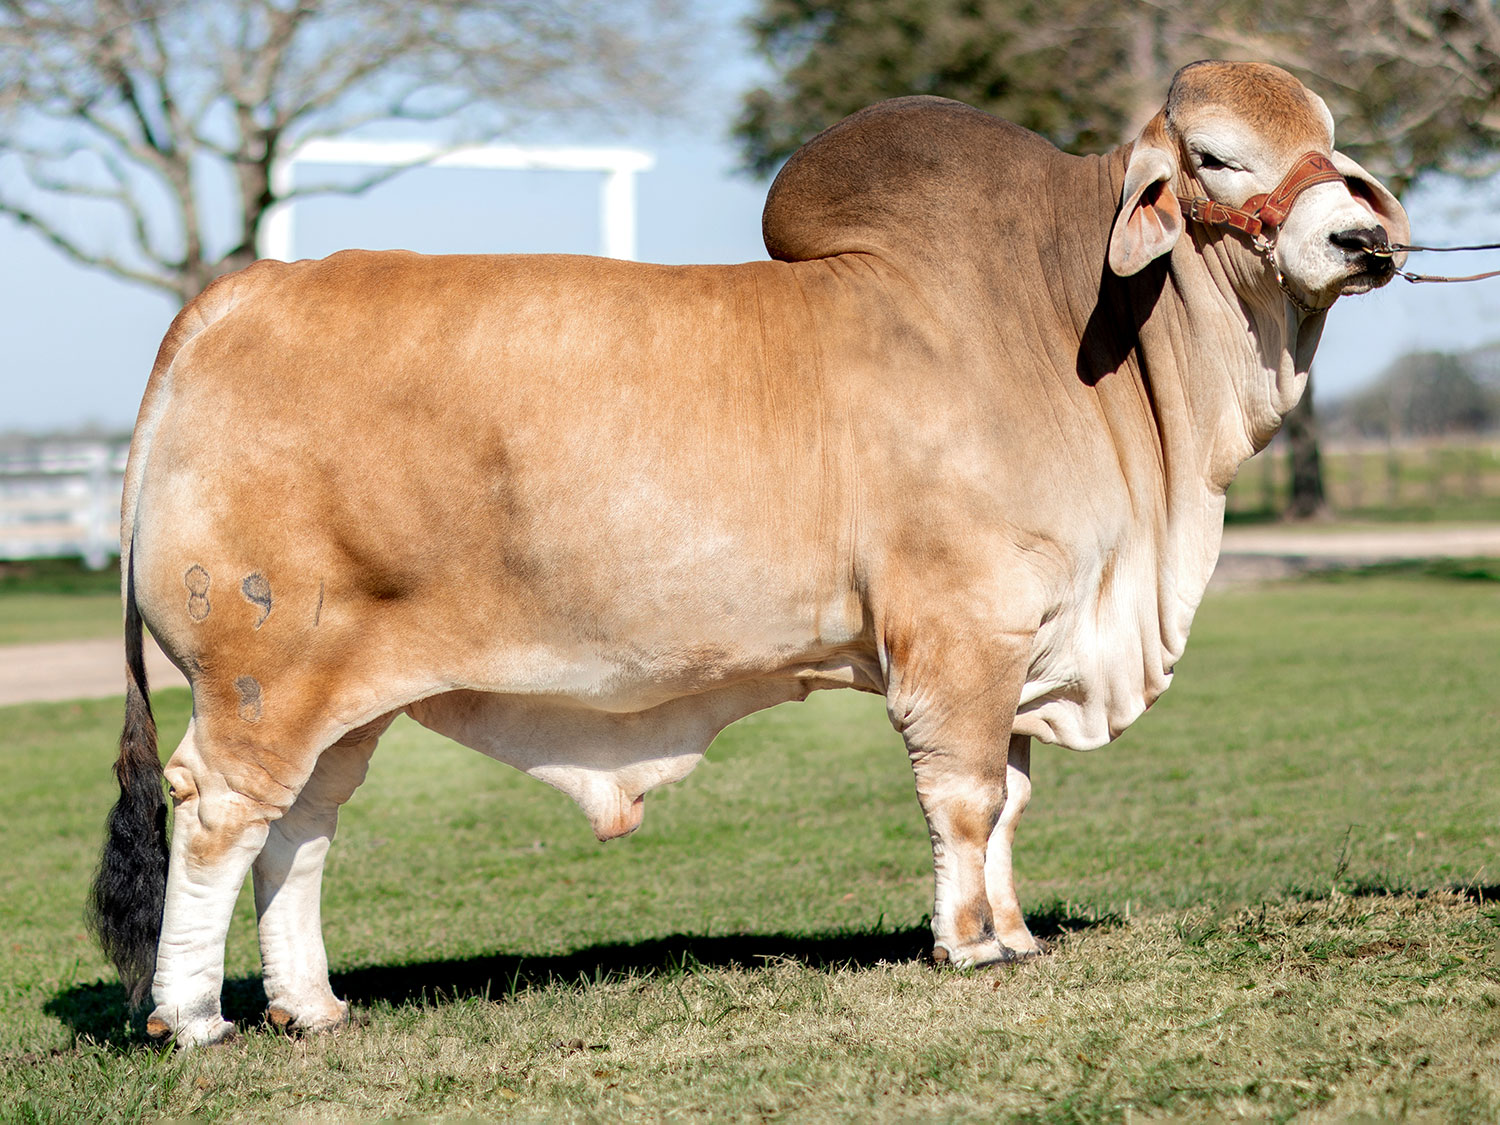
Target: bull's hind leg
(225, 797)
(999, 872)
(953, 698)
(289, 882)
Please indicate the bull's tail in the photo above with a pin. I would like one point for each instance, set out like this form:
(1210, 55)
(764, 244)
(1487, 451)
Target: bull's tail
(130, 890)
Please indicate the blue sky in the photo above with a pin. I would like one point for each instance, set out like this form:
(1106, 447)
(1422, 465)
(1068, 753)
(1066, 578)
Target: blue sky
(76, 346)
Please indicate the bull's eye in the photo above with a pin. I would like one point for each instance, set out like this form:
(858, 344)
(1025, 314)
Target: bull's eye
(1207, 160)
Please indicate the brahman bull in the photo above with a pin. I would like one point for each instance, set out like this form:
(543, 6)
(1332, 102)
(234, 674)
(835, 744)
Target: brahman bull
(964, 443)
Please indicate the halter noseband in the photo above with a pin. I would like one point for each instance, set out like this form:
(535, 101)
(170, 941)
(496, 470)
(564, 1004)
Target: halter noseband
(1262, 214)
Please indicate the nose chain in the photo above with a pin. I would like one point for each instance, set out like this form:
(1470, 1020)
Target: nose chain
(1287, 290)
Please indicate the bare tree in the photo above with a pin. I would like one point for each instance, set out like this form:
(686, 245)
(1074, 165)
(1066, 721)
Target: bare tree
(171, 114)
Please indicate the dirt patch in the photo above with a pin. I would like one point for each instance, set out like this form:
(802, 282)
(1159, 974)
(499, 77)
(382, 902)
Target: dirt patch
(75, 670)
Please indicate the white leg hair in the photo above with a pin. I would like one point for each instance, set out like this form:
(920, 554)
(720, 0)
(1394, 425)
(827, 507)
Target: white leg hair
(955, 803)
(216, 834)
(999, 873)
(288, 891)
(952, 695)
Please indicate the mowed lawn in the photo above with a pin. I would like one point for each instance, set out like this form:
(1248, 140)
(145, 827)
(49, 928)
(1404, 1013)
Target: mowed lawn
(1275, 898)
(58, 600)
(41, 618)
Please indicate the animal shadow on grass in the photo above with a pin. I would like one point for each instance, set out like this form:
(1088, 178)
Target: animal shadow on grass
(98, 1011)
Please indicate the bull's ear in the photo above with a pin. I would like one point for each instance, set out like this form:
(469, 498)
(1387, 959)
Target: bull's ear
(1150, 220)
(1373, 194)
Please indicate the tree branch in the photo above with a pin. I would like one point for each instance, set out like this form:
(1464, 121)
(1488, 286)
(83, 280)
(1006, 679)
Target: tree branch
(77, 253)
(157, 87)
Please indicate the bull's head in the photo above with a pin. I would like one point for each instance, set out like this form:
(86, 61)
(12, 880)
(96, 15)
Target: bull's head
(1233, 133)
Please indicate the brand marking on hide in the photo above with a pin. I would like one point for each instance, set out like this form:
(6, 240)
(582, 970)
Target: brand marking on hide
(197, 582)
(249, 689)
(257, 591)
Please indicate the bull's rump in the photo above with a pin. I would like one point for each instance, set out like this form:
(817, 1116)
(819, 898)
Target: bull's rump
(555, 475)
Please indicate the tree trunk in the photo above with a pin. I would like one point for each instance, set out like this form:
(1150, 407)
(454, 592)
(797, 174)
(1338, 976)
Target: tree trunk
(1308, 500)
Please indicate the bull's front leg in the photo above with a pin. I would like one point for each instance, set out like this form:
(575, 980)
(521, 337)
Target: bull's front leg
(999, 872)
(953, 697)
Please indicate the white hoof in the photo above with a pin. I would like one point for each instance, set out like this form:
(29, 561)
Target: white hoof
(194, 1033)
(292, 1017)
(1022, 944)
(974, 955)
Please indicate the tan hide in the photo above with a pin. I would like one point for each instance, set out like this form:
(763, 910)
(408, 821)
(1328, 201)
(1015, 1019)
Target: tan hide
(581, 514)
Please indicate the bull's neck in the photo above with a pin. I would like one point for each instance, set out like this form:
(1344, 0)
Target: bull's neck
(1213, 371)
(1205, 332)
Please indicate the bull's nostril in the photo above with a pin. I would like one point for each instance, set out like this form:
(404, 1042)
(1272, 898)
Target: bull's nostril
(1360, 240)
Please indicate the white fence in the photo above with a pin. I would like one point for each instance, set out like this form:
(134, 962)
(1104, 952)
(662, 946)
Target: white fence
(616, 198)
(61, 499)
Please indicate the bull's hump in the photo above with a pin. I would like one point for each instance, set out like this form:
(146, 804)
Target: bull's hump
(895, 174)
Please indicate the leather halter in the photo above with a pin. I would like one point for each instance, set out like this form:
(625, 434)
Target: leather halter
(1262, 214)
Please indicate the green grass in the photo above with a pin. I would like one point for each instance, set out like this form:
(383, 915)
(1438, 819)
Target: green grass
(1274, 898)
(58, 576)
(58, 600)
(38, 618)
(1456, 481)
